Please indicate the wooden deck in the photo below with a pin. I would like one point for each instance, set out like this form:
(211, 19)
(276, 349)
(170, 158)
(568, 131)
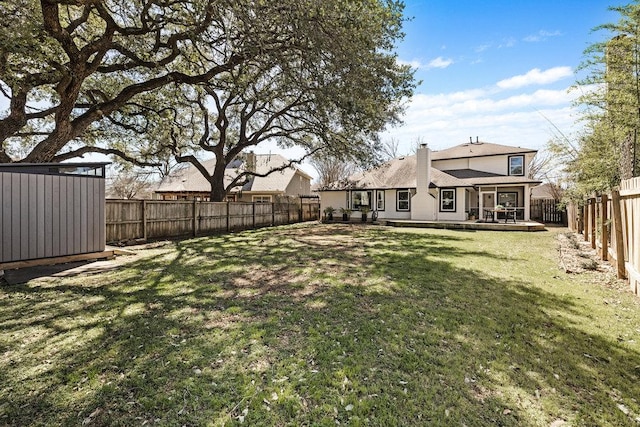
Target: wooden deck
(466, 225)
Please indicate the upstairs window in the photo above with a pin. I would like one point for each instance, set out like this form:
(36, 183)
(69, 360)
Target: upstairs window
(516, 165)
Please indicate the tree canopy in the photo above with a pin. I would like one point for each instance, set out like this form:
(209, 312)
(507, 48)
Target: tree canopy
(138, 78)
(607, 151)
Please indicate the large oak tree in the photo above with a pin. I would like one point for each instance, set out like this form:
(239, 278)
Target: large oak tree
(142, 77)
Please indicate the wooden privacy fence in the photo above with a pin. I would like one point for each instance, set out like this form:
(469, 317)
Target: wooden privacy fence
(157, 219)
(611, 223)
(548, 212)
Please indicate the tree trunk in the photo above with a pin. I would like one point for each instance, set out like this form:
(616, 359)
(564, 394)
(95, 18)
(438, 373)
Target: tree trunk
(218, 190)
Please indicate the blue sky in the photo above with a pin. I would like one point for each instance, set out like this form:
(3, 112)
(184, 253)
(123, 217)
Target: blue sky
(495, 69)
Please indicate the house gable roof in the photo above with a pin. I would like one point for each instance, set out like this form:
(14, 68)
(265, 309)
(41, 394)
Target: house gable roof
(401, 172)
(191, 180)
(397, 173)
(477, 149)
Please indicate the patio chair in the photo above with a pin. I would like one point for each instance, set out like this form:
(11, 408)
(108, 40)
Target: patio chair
(510, 214)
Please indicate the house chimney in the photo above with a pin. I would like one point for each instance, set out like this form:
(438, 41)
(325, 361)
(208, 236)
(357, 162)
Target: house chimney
(423, 169)
(250, 164)
(422, 204)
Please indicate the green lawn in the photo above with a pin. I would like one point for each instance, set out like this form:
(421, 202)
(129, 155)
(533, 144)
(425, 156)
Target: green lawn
(325, 325)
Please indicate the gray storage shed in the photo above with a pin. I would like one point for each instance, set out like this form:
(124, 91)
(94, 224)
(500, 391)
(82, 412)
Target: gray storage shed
(51, 210)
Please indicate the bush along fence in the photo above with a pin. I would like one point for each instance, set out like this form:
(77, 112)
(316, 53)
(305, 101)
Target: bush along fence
(611, 223)
(157, 219)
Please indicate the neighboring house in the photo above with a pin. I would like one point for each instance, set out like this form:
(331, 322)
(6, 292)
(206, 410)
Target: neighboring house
(450, 184)
(189, 184)
(547, 191)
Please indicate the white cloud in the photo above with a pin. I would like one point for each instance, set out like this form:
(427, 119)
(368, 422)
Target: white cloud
(536, 76)
(521, 119)
(416, 64)
(439, 62)
(509, 42)
(541, 36)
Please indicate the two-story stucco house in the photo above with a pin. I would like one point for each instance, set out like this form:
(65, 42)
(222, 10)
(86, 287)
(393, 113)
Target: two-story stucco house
(447, 185)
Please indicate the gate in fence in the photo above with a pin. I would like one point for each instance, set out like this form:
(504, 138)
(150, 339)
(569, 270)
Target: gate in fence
(548, 212)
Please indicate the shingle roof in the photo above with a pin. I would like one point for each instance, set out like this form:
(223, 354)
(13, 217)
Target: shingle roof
(483, 178)
(191, 180)
(401, 173)
(477, 149)
(397, 173)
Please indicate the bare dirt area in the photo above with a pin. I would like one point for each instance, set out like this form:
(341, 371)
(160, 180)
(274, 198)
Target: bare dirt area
(577, 257)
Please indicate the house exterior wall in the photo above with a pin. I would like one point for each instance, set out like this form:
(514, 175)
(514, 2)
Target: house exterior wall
(391, 211)
(452, 164)
(299, 185)
(492, 164)
(248, 197)
(335, 199)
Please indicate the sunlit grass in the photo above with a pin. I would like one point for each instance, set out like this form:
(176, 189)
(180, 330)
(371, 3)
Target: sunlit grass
(324, 324)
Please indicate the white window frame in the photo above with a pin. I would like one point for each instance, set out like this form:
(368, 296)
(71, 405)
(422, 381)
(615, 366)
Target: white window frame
(511, 166)
(407, 200)
(453, 199)
(369, 198)
(261, 199)
(380, 200)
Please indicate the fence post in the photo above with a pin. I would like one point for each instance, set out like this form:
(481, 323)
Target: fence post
(227, 216)
(585, 216)
(194, 220)
(592, 224)
(288, 212)
(617, 224)
(301, 212)
(144, 220)
(604, 234)
(253, 215)
(580, 223)
(273, 213)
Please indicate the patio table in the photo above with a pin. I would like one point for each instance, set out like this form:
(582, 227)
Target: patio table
(489, 215)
